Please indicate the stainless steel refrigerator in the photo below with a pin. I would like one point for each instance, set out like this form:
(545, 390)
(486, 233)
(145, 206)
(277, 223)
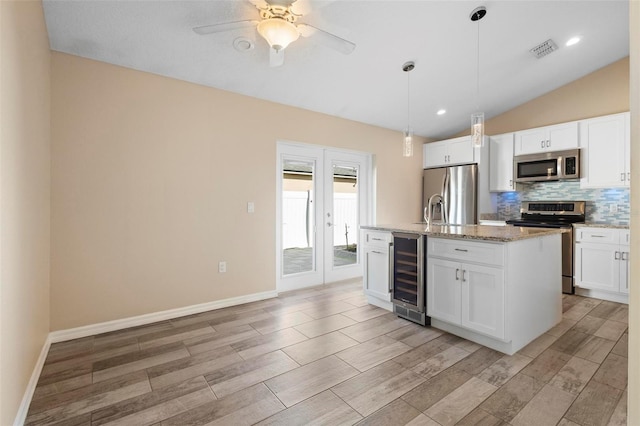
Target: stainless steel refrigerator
(458, 187)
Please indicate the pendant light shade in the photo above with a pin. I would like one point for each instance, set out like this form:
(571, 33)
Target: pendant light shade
(477, 118)
(477, 129)
(407, 143)
(278, 32)
(407, 135)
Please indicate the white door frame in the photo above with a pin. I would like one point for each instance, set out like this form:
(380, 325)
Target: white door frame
(316, 153)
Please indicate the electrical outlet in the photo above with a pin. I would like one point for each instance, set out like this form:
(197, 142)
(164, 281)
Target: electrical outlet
(222, 266)
(251, 207)
(613, 208)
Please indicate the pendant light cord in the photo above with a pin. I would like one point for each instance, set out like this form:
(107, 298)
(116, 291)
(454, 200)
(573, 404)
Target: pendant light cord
(409, 100)
(478, 69)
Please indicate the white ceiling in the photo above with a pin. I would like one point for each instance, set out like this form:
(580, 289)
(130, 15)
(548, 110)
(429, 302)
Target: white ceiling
(369, 85)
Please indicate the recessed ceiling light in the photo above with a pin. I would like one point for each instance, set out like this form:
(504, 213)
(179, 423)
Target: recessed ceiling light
(572, 41)
(243, 44)
(441, 111)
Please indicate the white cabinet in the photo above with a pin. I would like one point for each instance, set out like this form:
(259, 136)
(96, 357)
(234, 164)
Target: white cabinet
(465, 285)
(550, 138)
(501, 163)
(606, 161)
(448, 152)
(602, 263)
(375, 252)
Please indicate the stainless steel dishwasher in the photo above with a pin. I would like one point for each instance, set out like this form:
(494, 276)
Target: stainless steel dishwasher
(408, 277)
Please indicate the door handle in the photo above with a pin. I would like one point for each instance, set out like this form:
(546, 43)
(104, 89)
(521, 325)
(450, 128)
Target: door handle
(391, 267)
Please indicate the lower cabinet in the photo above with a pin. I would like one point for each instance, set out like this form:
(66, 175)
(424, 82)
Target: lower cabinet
(466, 294)
(602, 263)
(375, 252)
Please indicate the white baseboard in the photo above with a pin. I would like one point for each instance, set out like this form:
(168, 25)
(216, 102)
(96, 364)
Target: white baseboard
(104, 327)
(603, 295)
(21, 416)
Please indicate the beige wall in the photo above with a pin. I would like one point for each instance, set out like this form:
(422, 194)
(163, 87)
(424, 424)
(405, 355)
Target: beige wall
(634, 291)
(24, 197)
(141, 208)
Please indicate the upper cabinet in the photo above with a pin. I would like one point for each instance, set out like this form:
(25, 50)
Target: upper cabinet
(550, 138)
(605, 159)
(501, 162)
(448, 152)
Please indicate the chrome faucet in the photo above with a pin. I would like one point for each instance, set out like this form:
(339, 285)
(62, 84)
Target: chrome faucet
(437, 198)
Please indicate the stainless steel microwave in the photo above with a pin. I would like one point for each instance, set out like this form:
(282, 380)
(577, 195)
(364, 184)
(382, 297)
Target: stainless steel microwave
(545, 166)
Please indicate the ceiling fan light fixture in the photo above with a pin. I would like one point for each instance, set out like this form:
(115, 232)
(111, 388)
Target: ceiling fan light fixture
(278, 32)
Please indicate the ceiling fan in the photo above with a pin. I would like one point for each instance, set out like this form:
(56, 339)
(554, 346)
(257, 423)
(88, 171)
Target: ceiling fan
(278, 26)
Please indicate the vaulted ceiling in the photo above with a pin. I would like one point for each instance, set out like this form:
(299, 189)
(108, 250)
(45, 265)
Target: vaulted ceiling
(367, 85)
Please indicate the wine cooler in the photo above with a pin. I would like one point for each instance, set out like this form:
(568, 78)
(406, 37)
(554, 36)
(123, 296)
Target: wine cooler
(408, 280)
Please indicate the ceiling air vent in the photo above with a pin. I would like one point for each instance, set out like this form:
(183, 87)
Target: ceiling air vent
(543, 49)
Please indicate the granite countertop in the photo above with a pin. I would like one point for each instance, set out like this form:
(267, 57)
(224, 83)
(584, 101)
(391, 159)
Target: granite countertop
(600, 225)
(471, 232)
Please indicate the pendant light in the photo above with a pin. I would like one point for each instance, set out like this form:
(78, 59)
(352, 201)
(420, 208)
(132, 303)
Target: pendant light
(407, 135)
(477, 118)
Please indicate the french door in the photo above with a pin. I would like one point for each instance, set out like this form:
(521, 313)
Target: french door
(323, 197)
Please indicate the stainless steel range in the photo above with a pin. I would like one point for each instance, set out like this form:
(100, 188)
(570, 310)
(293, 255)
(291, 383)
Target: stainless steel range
(555, 214)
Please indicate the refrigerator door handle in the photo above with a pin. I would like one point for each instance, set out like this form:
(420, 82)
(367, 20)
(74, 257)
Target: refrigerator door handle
(445, 196)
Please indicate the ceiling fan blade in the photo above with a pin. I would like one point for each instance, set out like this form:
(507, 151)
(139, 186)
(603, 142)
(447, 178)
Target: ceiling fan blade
(276, 57)
(225, 26)
(305, 7)
(328, 39)
(260, 4)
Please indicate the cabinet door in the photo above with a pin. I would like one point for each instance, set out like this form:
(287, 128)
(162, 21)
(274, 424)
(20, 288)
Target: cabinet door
(597, 266)
(604, 140)
(530, 141)
(562, 136)
(376, 272)
(435, 154)
(460, 151)
(443, 290)
(501, 163)
(625, 264)
(483, 299)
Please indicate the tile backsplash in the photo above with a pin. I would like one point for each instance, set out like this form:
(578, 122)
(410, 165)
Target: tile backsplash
(599, 201)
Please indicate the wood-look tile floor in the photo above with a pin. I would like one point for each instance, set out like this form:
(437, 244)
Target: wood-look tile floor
(324, 356)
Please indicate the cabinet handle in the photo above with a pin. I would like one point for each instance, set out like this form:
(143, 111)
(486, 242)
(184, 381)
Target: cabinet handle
(463, 280)
(621, 177)
(463, 250)
(598, 236)
(625, 255)
(629, 176)
(548, 143)
(391, 266)
(376, 239)
(541, 144)
(457, 272)
(616, 256)
(377, 252)
(510, 183)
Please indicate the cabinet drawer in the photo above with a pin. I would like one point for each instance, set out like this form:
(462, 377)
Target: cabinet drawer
(376, 238)
(466, 251)
(597, 235)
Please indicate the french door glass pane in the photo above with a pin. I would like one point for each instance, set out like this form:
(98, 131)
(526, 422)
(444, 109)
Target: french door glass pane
(298, 178)
(345, 215)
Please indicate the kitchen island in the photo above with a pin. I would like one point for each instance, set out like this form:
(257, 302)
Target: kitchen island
(496, 286)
